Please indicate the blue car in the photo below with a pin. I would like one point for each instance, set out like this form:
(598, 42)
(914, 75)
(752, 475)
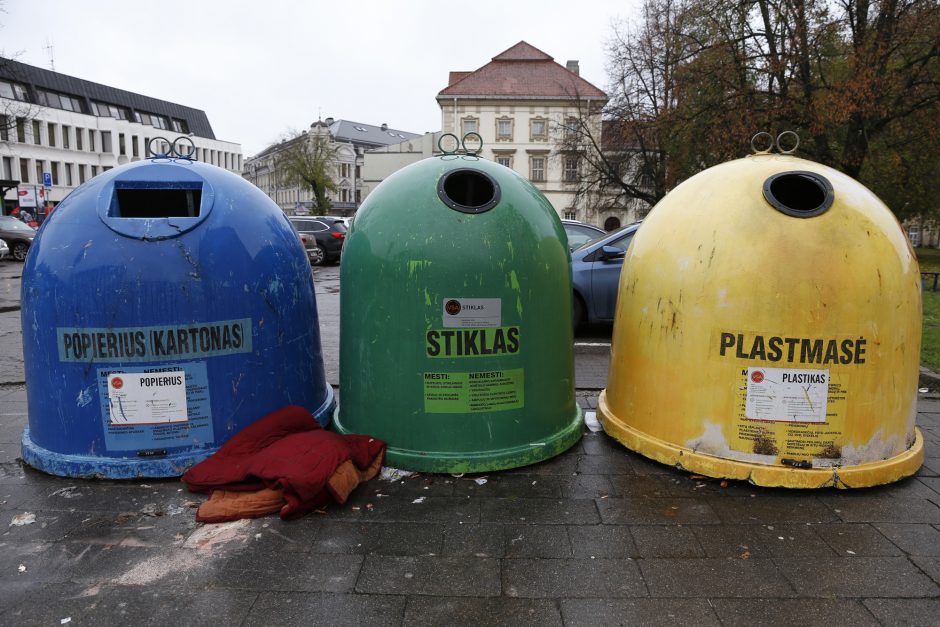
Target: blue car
(595, 275)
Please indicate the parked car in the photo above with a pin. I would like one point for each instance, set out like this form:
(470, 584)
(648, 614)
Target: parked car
(580, 232)
(4, 250)
(328, 236)
(17, 235)
(595, 275)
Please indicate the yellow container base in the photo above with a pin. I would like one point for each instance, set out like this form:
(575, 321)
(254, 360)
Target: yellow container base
(861, 476)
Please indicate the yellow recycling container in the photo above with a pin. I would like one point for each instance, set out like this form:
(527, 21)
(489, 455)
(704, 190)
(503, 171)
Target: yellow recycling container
(768, 328)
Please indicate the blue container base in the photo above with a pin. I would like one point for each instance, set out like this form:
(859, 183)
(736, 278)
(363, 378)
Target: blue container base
(91, 467)
(173, 465)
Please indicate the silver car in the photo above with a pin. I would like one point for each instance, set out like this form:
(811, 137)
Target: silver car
(18, 236)
(4, 250)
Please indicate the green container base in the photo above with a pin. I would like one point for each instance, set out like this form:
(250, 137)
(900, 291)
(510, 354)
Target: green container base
(481, 461)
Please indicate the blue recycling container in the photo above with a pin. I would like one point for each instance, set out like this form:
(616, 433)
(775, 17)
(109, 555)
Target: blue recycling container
(166, 305)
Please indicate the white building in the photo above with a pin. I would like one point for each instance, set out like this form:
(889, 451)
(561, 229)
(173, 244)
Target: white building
(348, 141)
(74, 129)
(523, 105)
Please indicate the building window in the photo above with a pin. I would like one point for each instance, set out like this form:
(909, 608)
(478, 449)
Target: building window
(135, 150)
(81, 173)
(469, 125)
(504, 160)
(358, 196)
(538, 129)
(504, 129)
(13, 91)
(91, 141)
(66, 140)
(21, 130)
(571, 169)
(180, 126)
(59, 101)
(68, 174)
(106, 142)
(54, 166)
(122, 147)
(24, 170)
(571, 127)
(50, 129)
(105, 110)
(94, 171)
(7, 168)
(37, 132)
(79, 132)
(571, 215)
(358, 172)
(4, 128)
(38, 171)
(537, 168)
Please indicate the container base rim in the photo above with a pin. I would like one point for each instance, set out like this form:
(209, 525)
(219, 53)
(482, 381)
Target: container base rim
(481, 461)
(173, 465)
(861, 476)
(89, 467)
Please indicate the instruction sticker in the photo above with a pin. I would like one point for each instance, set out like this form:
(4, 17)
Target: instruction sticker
(472, 313)
(149, 398)
(179, 414)
(469, 392)
(787, 395)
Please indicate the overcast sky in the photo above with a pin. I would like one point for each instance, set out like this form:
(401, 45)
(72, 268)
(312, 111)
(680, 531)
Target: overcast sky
(261, 68)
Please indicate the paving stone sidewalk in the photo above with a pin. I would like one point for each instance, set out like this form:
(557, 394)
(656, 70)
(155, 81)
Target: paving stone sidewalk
(595, 536)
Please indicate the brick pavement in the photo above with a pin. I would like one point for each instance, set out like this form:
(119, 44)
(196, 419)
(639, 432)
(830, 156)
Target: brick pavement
(597, 535)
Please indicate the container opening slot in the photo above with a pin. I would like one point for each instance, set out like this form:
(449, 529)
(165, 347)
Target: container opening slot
(157, 203)
(469, 191)
(799, 194)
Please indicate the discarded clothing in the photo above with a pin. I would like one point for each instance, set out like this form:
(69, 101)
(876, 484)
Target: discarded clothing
(283, 463)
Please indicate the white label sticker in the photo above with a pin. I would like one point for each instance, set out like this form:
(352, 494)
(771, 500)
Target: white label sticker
(787, 395)
(138, 398)
(473, 312)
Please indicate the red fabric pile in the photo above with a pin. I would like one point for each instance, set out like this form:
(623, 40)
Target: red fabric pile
(284, 462)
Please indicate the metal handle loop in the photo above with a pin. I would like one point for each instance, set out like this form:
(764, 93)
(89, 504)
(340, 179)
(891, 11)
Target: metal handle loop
(796, 142)
(175, 149)
(471, 135)
(770, 143)
(440, 144)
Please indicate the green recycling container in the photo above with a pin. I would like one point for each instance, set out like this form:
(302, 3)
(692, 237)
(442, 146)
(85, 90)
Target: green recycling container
(456, 340)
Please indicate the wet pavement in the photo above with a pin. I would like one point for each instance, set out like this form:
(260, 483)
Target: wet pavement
(597, 535)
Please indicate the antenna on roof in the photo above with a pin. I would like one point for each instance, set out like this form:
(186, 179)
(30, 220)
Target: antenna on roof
(49, 50)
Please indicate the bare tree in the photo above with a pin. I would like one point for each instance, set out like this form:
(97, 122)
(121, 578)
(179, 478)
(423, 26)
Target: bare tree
(691, 82)
(306, 161)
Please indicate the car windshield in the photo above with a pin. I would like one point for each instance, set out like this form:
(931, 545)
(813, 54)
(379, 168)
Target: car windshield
(12, 224)
(604, 236)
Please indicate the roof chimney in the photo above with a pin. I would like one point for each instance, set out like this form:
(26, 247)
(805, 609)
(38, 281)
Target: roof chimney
(329, 121)
(384, 126)
(573, 67)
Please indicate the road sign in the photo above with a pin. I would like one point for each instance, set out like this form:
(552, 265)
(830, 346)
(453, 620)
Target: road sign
(47, 180)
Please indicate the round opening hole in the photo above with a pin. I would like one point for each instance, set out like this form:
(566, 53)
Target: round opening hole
(468, 191)
(799, 194)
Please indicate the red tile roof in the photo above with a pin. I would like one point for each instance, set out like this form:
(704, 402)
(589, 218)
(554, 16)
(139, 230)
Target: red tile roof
(521, 71)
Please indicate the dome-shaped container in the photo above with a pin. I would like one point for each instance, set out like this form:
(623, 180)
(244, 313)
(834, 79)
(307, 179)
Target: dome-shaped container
(768, 328)
(455, 335)
(165, 306)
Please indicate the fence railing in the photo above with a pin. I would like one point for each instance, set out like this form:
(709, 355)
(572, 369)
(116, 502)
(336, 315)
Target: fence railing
(929, 280)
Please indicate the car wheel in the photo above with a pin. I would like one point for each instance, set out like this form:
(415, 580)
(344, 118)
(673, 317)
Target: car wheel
(19, 251)
(577, 311)
(317, 255)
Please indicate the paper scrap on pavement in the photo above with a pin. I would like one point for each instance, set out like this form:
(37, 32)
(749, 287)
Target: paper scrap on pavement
(590, 420)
